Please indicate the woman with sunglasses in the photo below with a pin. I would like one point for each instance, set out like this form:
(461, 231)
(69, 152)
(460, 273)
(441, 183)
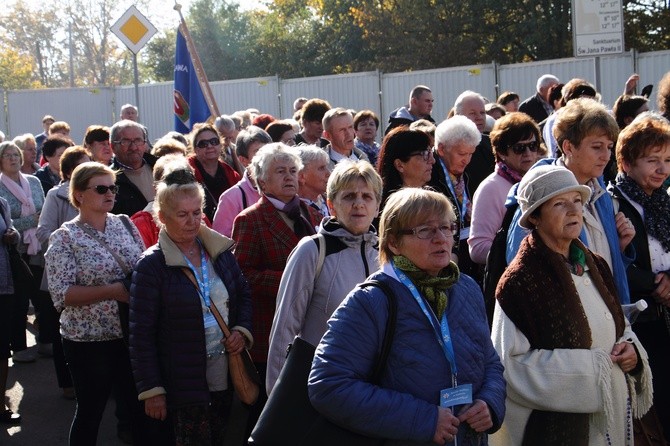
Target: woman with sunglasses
(88, 264)
(405, 160)
(214, 175)
(517, 146)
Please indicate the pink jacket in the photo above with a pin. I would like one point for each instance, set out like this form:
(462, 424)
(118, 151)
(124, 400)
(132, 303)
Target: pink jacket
(231, 203)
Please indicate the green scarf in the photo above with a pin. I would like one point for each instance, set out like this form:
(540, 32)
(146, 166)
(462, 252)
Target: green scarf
(432, 288)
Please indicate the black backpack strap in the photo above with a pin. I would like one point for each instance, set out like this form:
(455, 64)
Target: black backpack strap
(244, 197)
(380, 364)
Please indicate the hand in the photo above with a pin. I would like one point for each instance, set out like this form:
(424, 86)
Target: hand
(625, 230)
(447, 426)
(10, 237)
(625, 355)
(631, 83)
(662, 291)
(120, 292)
(234, 343)
(156, 407)
(477, 415)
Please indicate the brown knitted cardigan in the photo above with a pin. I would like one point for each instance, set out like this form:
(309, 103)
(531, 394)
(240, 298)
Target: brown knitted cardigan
(538, 295)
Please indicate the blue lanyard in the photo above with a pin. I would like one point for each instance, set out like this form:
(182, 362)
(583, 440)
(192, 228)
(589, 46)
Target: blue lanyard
(203, 282)
(464, 204)
(441, 332)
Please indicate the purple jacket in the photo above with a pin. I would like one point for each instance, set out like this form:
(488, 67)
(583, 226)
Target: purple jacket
(167, 336)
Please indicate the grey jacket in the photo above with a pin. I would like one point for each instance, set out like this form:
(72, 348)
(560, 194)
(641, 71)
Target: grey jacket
(305, 303)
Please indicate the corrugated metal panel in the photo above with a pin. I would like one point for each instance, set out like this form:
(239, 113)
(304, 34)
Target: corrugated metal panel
(358, 91)
(260, 93)
(522, 78)
(651, 68)
(446, 84)
(614, 72)
(79, 107)
(155, 107)
(4, 126)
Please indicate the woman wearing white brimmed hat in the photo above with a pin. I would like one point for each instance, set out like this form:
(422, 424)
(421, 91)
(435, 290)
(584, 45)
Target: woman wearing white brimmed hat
(576, 373)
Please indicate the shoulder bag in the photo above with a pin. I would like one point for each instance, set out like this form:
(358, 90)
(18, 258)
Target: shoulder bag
(288, 416)
(243, 373)
(21, 272)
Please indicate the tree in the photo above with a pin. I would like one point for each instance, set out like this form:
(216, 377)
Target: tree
(16, 70)
(647, 24)
(159, 55)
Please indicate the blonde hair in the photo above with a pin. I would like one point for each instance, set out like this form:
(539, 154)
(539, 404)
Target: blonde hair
(81, 176)
(405, 209)
(346, 172)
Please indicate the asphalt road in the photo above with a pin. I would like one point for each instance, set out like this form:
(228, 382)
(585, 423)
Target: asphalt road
(46, 416)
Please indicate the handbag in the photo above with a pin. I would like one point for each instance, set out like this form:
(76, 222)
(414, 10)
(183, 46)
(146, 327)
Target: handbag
(288, 416)
(648, 430)
(243, 373)
(20, 270)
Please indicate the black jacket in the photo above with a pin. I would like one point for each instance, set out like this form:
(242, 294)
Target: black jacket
(129, 199)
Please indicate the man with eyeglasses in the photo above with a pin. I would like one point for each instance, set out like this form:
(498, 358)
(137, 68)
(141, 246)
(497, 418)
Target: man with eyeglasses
(134, 166)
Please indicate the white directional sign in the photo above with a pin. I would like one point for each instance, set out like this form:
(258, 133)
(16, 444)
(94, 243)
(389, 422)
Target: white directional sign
(133, 29)
(597, 27)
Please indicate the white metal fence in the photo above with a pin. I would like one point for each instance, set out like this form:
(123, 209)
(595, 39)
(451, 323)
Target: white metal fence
(380, 92)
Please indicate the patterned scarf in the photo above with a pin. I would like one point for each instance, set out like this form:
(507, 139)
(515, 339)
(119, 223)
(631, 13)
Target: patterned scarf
(508, 173)
(301, 226)
(459, 190)
(432, 288)
(656, 208)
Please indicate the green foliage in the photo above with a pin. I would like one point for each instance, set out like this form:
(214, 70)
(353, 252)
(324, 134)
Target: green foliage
(159, 54)
(15, 70)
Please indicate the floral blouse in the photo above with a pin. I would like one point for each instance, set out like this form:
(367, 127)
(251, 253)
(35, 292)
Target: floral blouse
(76, 258)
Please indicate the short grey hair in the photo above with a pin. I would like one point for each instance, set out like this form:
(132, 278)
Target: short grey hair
(466, 95)
(455, 130)
(21, 140)
(249, 136)
(125, 107)
(546, 80)
(332, 114)
(269, 154)
(119, 126)
(311, 153)
(224, 124)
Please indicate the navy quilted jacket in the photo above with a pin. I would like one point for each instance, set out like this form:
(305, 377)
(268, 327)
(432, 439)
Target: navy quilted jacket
(404, 407)
(167, 338)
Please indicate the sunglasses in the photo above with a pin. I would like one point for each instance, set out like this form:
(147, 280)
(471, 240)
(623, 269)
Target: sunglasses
(519, 149)
(204, 143)
(102, 190)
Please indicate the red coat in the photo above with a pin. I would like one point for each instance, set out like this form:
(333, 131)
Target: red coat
(148, 229)
(264, 242)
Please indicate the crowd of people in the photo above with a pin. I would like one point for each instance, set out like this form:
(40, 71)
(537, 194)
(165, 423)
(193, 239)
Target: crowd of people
(137, 256)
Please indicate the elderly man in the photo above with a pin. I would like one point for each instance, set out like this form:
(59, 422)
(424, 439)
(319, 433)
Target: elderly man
(472, 105)
(311, 119)
(420, 106)
(229, 129)
(538, 106)
(586, 133)
(313, 178)
(129, 111)
(456, 140)
(134, 165)
(338, 125)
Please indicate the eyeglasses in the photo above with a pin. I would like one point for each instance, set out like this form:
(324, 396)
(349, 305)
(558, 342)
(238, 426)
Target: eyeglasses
(424, 154)
(289, 141)
(126, 143)
(520, 148)
(11, 155)
(204, 143)
(428, 232)
(102, 190)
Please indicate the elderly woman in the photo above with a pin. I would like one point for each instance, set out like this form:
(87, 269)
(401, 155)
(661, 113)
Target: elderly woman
(310, 292)
(28, 146)
(52, 149)
(178, 351)
(575, 371)
(266, 233)
(57, 210)
(441, 341)
(366, 125)
(25, 198)
(517, 145)
(96, 140)
(405, 160)
(313, 177)
(244, 193)
(88, 266)
(643, 158)
(214, 175)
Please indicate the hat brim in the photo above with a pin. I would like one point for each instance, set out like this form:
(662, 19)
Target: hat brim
(585, 192)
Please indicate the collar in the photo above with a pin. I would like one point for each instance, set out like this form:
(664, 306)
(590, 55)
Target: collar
(213, 242)
(124, 167)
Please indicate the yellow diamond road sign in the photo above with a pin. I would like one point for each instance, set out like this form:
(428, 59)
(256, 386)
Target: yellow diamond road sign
(133, 29)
